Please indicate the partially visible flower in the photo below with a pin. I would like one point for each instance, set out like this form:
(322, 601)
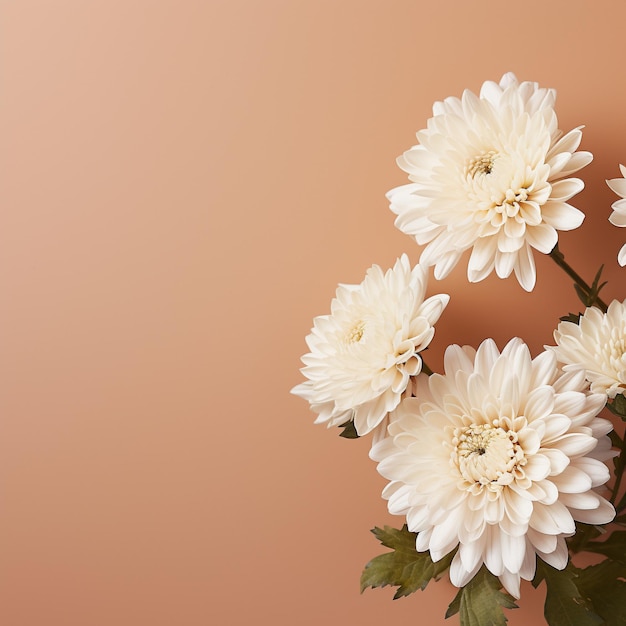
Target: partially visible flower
(491, 173)
(618, 217)
(364, 353)
(498, 457)
(596, 346)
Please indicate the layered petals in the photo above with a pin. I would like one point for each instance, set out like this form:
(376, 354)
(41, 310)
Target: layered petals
(365, 353)
(494, 458)
(596, 347)
(491, 173)
(618, 217)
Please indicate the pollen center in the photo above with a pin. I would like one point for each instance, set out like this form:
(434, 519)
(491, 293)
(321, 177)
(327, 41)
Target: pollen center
(481, 164)
(486, 455)
(355, 334)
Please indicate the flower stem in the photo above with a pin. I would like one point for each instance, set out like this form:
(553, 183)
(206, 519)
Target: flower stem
(592, 293)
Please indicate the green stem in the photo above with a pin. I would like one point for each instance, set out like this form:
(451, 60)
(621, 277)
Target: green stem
(559, 258)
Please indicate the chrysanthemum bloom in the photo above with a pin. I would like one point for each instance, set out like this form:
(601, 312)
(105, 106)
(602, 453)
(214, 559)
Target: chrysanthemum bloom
(497, 457)
(364, 353)
(491, 173)
(618, 217)
(597, 347)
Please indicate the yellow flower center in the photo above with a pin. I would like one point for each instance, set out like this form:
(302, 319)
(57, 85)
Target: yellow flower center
(355, 334)
(486, 455)
(481, 164)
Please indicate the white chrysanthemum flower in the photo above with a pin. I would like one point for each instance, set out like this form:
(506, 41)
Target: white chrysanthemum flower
(497, 457)
(618, 217)
(364, 353)
(597, 347)
(491, 173)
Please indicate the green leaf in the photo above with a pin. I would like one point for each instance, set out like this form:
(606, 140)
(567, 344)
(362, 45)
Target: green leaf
(349, 430)
(588, 295)
(614, 547)
(565, 606)
(603, 586)
(583, 296)
(618, 406)
(481, 601)
(584, 534)
(571, 317)
(405, 567)
(596, 287)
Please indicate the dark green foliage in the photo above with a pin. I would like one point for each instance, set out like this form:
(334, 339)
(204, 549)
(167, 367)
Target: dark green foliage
(614, 547)
(565, 605)
(405, 567)
(349, 431)
(589, 296)
(604, 587)
(571, 317)
(481, 601)
(618, 406)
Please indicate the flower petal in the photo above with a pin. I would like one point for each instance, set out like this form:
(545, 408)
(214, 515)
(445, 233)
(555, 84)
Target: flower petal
(491, 173)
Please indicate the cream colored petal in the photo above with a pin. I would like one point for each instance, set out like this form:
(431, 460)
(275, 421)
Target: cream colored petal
(542, 237)
(525, 269)
(561, 215)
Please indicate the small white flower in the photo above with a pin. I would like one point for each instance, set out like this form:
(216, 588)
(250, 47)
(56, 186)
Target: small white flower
(491, 173)
(618, 217)
(497, 457)
(597, 347)
(364, 353)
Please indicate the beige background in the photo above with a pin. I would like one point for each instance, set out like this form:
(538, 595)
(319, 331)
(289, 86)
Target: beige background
(183, 185)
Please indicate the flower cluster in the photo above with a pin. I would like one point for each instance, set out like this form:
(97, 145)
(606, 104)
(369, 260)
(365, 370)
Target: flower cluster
(364, 353)
(498, 457)
(500, 464)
